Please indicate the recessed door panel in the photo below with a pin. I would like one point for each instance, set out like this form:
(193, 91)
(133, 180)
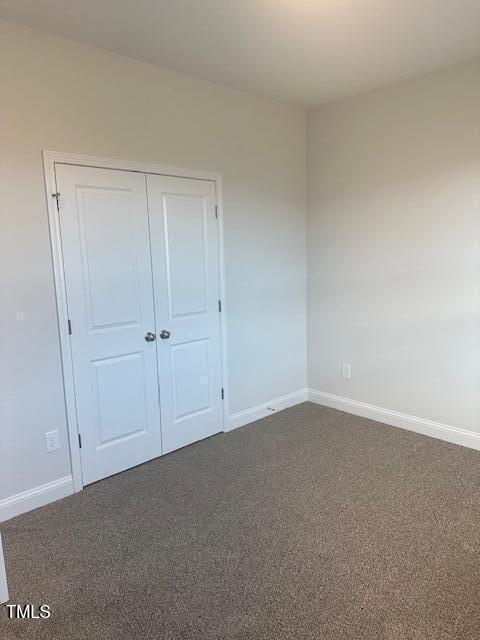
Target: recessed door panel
(106, 253)
(110, 271)
(120, 398)
(190, 378)
(187, 253)
(184, 235)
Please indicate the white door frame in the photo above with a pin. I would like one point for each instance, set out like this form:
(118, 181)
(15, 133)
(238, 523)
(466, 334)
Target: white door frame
(50, 158)
(3, 577)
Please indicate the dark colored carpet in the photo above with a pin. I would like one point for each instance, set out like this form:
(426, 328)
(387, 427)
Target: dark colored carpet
(308, 524)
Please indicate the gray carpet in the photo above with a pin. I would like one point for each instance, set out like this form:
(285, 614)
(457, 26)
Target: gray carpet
(310, 523)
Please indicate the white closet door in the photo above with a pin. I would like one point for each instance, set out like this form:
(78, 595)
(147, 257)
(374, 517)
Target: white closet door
(184, 235)
(106, 249)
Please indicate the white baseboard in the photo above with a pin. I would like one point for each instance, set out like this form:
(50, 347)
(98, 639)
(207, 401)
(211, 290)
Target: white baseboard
(397, 419)
(241, 418)
(36, 497)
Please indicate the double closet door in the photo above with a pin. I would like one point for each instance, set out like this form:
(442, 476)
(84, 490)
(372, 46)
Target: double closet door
(141, 267)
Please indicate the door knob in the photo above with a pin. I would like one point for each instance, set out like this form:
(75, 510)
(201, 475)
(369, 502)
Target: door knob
(150, 337)
(164, 334)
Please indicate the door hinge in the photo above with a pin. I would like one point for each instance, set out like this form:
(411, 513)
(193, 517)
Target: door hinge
(223, 394)
(79, 441)
(219, 306)
(69, 326)
(216, 211)
(57, 198)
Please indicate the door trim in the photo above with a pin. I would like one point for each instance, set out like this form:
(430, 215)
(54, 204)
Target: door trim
(50, 159)
(3, 577)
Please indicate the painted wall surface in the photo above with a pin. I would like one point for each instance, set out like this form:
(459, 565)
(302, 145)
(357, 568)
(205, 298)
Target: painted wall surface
(394, 247)
(61, 95)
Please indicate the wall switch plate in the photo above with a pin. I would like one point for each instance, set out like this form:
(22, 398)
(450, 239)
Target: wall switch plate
(346, 370)
(52, 441)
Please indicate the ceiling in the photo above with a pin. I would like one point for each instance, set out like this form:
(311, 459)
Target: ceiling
(306, 52)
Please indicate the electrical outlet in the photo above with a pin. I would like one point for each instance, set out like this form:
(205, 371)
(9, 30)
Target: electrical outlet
(346, 370)
(52, 441)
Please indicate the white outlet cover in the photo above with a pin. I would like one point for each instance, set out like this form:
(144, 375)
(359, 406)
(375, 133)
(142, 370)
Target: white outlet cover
(346, 371)
(52, 442)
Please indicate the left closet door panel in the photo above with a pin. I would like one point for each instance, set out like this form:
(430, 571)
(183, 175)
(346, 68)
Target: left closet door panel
(107, 263)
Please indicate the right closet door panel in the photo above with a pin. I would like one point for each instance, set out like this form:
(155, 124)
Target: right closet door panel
(184, 245)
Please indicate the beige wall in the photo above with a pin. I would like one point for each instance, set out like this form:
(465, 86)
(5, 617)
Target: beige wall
(394, 247)
(60, 95)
